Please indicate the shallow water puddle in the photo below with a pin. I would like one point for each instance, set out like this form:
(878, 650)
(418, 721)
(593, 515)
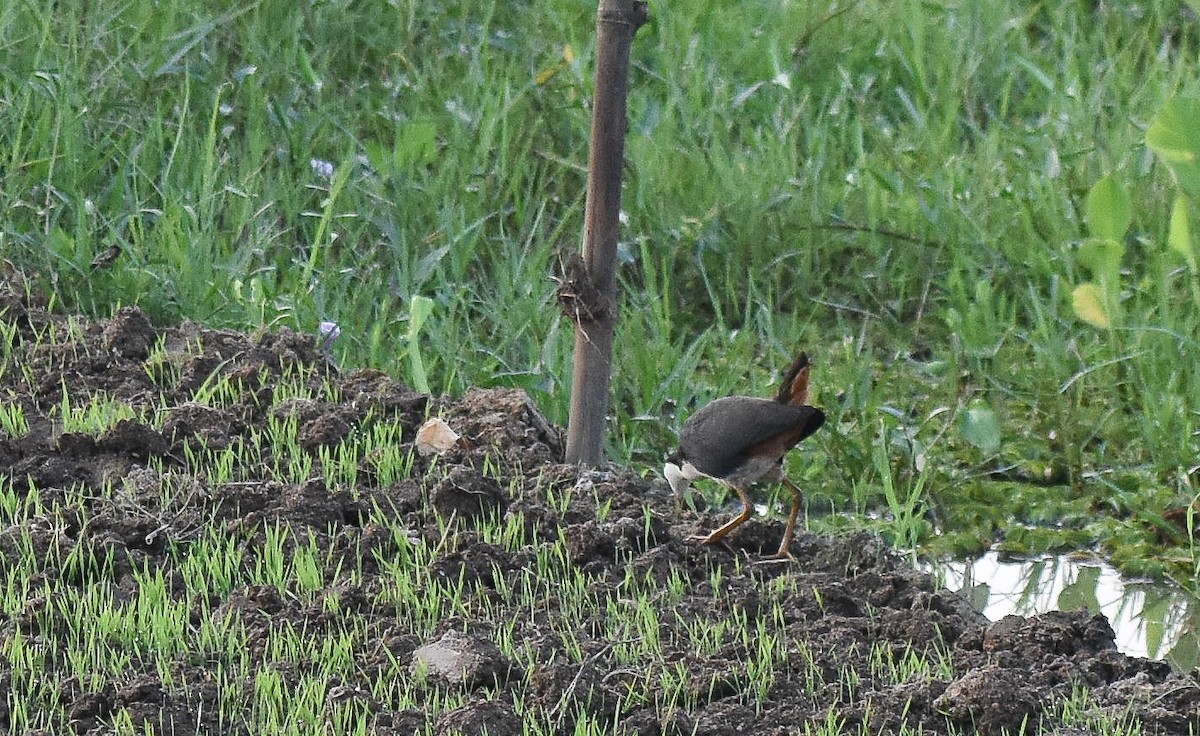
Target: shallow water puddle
(1154, 620)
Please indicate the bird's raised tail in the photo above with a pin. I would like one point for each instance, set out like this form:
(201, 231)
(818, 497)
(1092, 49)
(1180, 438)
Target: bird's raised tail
(794, 388)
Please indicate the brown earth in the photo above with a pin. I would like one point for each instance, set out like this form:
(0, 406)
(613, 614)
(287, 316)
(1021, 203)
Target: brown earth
(842, 595)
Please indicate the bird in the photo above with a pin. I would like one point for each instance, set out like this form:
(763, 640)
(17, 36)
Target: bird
(741, 440)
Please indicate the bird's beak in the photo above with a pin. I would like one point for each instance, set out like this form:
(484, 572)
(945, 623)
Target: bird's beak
(674, 475)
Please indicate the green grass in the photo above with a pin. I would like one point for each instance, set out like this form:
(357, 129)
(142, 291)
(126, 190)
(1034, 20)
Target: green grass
(88, 634)
(210, 601)
(897, 187)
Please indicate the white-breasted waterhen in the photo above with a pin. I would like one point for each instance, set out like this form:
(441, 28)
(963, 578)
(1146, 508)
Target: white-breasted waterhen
(741, 440)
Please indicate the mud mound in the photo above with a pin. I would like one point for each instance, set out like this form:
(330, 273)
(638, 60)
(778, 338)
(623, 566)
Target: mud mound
(556, 598)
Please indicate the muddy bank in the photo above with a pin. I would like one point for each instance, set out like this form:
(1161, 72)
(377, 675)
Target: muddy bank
(854, 636)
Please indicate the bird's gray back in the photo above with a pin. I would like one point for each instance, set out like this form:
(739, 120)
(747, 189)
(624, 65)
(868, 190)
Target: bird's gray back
(715, 438)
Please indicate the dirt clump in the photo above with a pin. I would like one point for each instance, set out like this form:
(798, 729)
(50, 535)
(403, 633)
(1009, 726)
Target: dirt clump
(248, 444)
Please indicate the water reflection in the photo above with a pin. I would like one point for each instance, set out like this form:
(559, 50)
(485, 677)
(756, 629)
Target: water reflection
(1154, 620)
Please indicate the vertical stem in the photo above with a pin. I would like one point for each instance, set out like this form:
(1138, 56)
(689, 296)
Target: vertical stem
(616, 23)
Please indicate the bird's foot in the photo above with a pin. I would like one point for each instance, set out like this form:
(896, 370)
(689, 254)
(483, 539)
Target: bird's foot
(711, 540)
(781, 556)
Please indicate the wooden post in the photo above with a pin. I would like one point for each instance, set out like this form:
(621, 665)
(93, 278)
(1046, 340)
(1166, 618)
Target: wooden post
(588, 292)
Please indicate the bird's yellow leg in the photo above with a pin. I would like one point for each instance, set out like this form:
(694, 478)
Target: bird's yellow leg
(734, 523)
(797, 499)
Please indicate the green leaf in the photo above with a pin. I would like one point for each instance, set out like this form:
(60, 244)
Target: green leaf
(980, 427)
(306, 68)
(1108, 210)
(1179, 238)
(379, 156)
(416, 143)
(1174, 135)
(1088, 301)
(419, 309)
(1102, 256)
(1081, 592)
(62, 244)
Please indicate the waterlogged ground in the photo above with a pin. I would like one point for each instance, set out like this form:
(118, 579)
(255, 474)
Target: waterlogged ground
(233, 537)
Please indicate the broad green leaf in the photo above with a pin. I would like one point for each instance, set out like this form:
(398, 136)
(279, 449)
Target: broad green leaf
(1179, 238)
(1088, 302)
(1108, 210)
(1102, 256)
(379, 155)
(980, 427)
(1155, 611)
(1174, 135)
(1081, 593)
(416, 143)
(419, 310)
